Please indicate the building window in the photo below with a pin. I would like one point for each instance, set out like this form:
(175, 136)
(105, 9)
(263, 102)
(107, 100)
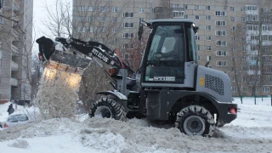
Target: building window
(91, 29)
(209, 58)
(232, 19)
(208, 37)
(197, 37)
(103, 19)
(232, 8)
(197, 17)
(128, 35)
(234, 89)
(102, 9)
(232, 28)
(81, 29)
(114, 19)
(114, 9)
(198, 58)
(221, 63)
(267, 27)
(114, 30)
(220, 13)
(251, 17)
(198, 47)
(185, 16)
(208, 7)
(178, 14)
(209, 48)
(245, 89)
(127, 46)
(185, 6)
(266, 89)
(80, 18)
(128, 15)
(220, 33)
(251, 7)
(101, 29)
(221, 43)
(141, 10)
(257, 37)
(175, 5)
(208, 17)
(81, 8)
(253, 47)
(196, 7)
(208, 27)
(221, 53)
(127, 25)
(90, 9)
(90, 18)
(252, 27)
(220, 23)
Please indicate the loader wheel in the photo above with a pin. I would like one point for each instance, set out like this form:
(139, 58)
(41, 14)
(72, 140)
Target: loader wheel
(107, 107)
(195, 120)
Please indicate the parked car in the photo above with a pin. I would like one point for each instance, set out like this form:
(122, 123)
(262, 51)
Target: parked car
(17, 119)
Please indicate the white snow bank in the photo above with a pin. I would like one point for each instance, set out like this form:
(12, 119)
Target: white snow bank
(138, 136)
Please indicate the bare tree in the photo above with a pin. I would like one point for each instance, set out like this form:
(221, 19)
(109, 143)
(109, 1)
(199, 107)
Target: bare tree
(238, 58)
(258, 40)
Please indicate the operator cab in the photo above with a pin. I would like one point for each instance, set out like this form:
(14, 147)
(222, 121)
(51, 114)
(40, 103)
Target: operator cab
(171, 46)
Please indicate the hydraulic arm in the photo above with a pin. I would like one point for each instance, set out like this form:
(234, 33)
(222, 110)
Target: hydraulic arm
(91, 49)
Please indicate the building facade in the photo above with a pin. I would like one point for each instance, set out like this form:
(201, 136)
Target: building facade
(228, 37)
(15, 49)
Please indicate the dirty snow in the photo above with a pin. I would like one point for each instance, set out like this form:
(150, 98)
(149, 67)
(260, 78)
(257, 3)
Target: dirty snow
(251, 132)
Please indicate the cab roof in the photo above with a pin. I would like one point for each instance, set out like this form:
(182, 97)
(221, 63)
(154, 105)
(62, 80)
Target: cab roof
(151, 22)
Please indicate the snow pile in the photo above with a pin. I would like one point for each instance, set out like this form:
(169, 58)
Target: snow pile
(139, 136)
(57, 93)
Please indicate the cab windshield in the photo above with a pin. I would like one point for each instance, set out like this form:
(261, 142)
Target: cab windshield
(167, 44)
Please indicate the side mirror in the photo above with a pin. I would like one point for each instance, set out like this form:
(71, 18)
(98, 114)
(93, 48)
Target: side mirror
(207, 64)
(195, 29)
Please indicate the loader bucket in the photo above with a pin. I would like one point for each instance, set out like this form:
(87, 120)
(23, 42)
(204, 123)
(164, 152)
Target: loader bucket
(61, 60)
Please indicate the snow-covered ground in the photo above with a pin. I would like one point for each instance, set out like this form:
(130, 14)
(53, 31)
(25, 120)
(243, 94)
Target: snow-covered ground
(250, 132)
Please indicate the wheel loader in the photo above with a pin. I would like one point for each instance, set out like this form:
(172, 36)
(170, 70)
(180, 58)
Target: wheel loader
(168, 86)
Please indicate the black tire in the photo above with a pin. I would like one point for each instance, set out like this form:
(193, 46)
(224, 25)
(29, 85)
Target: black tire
(107, 107)
(195, 120)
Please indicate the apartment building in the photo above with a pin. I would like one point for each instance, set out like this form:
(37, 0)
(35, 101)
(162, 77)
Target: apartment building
(229, 32)
(224, 35)
(15, 49)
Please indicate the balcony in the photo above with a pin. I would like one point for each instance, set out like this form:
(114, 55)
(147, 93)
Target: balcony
(14, 48)
(14, 66)
(13, 82)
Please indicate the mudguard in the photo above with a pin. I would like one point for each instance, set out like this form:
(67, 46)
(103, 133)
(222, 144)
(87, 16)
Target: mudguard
(115, 93)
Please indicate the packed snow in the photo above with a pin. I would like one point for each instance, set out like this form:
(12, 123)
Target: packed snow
(250, 132)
